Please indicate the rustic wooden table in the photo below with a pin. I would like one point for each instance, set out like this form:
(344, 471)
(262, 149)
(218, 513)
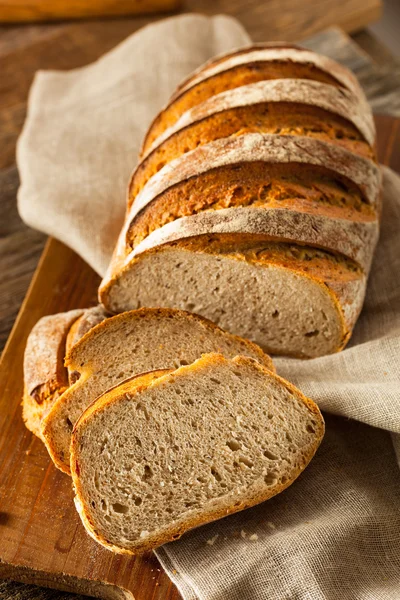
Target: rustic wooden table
(24, 49)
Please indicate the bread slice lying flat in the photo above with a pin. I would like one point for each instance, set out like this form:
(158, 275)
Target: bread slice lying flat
(165, 452)
(125, 345)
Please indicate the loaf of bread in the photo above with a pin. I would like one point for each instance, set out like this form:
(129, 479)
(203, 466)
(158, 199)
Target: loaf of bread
(169, 450)
(256, 202)
(125, 345)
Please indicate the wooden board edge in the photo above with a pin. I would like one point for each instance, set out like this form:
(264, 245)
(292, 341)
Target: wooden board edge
(33, 11)
(53, 259)
(47, 251)
(65, 583)
(371, 13)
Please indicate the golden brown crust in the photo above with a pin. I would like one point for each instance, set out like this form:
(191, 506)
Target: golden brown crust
(44, 354)
(283, 118)
(304, 187)
(45, 376)
(256, 493)
(299, 257)
(285, 106)
(227, 80)
(33, 413)
(215, 60)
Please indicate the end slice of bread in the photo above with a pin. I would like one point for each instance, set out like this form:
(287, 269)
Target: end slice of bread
(159, 455)
(125, 345)
(45, 376)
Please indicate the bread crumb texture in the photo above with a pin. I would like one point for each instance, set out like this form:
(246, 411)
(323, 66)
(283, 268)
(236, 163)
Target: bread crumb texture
(136, 465)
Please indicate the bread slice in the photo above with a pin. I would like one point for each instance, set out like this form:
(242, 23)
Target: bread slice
(285, 166)
(90, 318)
(45, 376)
(128, 344)
(291, 299)
(159, 455)
(320, 67)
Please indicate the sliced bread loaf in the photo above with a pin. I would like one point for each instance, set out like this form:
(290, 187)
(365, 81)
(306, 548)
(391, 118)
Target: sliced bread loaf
(231, 171)
(165, 452)
(128, 344)
(272, 143)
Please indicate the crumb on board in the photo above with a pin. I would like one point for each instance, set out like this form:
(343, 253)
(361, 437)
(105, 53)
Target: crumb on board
(243, 533)
(253, 537)
(271, 525)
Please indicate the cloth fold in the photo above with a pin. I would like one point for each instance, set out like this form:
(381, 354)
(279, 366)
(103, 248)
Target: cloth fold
(335, 533)
(84, 129)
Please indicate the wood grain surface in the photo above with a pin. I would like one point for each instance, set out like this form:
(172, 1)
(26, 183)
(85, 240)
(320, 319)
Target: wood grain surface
(48, 10)
(22, 52)
(272, 19)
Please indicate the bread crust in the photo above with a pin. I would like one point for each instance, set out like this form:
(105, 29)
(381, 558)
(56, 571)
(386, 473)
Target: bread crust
(355, 240)
(45, 376)
(218, 58)
(272, 52)
(256, 147)
(290, 62)
(255, 494)
(335, 100)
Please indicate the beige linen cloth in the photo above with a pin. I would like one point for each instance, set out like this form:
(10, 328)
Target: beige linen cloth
(335, 533)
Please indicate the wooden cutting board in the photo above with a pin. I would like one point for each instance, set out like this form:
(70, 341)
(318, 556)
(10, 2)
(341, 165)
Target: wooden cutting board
(14, 11)
(41, 538)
